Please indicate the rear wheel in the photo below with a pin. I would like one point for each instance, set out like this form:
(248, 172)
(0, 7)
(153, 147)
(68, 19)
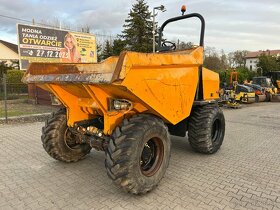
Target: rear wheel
(59, 142)
(138, 154)
(206, 129)
(257, 100)
(268, 96)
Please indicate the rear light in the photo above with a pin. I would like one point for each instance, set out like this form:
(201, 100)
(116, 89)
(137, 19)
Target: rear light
(258, 92)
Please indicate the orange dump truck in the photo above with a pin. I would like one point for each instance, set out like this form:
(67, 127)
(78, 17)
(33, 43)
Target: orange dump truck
(128, 106)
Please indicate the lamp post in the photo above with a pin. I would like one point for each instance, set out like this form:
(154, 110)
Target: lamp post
(161, 8)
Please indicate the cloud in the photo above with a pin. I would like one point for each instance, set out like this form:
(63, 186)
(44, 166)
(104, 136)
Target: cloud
(230, 25)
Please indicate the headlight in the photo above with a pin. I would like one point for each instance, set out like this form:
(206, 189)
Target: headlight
(120, 104)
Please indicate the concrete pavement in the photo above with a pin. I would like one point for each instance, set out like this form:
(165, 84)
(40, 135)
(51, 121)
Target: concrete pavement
(244, 174)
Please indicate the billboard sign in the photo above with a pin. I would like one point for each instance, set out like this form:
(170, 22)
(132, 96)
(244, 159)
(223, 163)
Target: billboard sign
(39, 44)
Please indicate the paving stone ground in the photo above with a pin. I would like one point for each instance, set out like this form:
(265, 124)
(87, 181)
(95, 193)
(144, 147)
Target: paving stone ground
(244, 174)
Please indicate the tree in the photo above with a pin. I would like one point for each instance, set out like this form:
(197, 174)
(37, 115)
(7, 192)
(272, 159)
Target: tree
(278, 61)
(212, 60)
(85, 29)
(107, 50)
(210, 51)
(118, 46)
(230, 59)
(3, 69)
(14, 76)
(138, 28)
(224, 60)
(243, 74)
(110, 49)
(99, 51)
(238, 58)
(183, 45)
(268, 63)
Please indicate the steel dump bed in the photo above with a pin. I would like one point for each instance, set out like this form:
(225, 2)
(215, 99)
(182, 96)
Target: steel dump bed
(163, 84)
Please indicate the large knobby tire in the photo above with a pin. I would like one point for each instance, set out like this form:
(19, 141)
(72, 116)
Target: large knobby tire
(206, 129)
(138, 154)
(257, 99)
(268, 97)
(59, 142)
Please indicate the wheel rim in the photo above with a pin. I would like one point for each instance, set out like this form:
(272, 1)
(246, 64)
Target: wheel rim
(151, 156)
(216, 130)
(70, 139)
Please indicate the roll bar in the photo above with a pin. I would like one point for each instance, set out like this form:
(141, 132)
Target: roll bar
(200, 17)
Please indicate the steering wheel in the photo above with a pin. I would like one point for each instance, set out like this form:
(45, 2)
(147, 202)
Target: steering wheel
(168, 44)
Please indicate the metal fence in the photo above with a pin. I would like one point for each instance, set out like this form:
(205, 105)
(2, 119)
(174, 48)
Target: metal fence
(16, 102)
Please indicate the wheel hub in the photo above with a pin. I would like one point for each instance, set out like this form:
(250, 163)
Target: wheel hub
(70, 139)
(151, 157)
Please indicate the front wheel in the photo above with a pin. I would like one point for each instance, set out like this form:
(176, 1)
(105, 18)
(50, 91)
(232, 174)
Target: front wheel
(206, 129)
(268, 96)
(59, 142)
(138, 154)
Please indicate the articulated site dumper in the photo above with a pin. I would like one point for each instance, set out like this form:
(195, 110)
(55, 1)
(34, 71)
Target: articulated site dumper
(128, 106)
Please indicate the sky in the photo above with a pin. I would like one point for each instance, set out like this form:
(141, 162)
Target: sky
(230, 25)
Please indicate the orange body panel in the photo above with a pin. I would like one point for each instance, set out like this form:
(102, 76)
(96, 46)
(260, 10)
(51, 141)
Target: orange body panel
(210, 84)
(163, 84)
(278, 85)
(169, 92)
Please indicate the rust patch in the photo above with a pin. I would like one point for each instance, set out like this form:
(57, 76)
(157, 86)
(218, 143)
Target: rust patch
(96, 78)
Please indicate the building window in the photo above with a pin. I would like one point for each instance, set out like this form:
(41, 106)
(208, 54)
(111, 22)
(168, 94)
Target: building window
(250, 61)
(251, 67)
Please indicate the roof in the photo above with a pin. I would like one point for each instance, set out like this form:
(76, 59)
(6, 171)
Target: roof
(260, 52)
(11, 46)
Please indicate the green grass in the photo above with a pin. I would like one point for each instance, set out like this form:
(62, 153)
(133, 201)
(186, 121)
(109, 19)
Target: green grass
(18, 109)
(14, 96)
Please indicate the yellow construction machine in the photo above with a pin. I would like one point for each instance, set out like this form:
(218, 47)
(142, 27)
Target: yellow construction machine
(270, 90)
(275, 78)
(129, 105)
(241, 93)
(234, 94)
